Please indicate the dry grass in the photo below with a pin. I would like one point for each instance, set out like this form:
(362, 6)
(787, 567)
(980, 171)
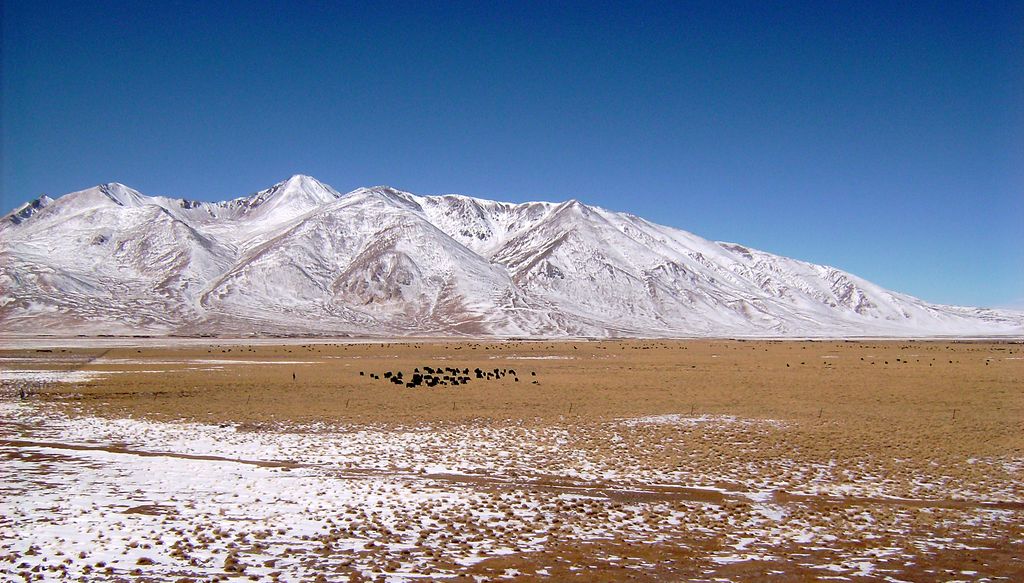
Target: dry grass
(907, 396)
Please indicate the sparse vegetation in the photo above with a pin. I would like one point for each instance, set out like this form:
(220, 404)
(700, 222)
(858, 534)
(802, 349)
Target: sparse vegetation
(658, 459)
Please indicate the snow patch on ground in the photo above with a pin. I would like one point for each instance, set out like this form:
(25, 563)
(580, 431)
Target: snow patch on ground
(49, 376)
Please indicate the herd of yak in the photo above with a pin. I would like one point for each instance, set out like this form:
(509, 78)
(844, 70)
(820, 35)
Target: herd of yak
(431, 377)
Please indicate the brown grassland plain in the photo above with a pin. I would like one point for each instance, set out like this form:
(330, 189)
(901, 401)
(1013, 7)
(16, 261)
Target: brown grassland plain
(863, 385)
(923, 438)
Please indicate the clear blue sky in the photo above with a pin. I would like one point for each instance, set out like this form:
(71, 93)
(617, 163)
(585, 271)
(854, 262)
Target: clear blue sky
(885, 140)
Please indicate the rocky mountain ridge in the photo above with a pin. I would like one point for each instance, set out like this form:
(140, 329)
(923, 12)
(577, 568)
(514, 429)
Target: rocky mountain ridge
(302, 258)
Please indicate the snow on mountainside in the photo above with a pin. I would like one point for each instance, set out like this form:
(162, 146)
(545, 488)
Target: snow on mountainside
(301, 258)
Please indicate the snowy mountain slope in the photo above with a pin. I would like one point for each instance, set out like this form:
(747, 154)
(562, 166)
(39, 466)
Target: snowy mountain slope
(368, 260)
(299, 257)
(107, 255)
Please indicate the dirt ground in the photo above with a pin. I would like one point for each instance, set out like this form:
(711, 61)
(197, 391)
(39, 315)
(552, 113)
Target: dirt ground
(883, 444)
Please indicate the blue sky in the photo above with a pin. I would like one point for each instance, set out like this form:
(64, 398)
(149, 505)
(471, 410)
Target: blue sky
(885, 140)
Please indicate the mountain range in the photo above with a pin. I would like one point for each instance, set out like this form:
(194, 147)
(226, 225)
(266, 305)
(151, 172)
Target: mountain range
(300, 258)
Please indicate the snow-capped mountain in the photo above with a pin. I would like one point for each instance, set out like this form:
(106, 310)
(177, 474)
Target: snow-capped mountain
(301, 258)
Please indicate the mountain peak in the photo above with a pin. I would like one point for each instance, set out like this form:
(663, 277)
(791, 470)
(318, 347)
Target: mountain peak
(297, 194)
(390, 194)
(28, 209)
(384, 189)
(302, 181)
(120, 194)
(307, 185)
